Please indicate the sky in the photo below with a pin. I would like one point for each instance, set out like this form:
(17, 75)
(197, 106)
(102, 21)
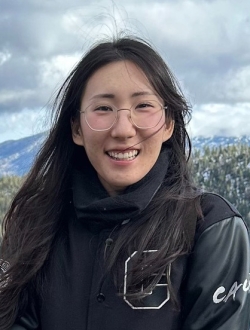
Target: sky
(206, 43)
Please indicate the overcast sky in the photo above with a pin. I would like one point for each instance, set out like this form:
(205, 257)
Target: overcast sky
(205, 42)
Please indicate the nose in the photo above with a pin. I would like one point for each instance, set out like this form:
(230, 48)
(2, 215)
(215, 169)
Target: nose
(123, 127)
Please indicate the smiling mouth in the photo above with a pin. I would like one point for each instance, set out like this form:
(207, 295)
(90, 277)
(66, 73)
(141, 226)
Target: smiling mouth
(128, 155)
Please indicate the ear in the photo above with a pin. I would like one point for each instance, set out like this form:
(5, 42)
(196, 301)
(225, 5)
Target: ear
(168, 130)
(76, 131)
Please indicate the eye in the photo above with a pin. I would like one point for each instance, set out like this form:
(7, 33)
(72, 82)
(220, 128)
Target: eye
(145, 105)
(103, 108)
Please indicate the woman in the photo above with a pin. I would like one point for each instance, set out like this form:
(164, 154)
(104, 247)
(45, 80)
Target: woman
(108, 231)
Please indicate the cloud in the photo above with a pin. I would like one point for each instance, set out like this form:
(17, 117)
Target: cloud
(220, 119)
(205, 43)
(56, 68)
(4, 57)
(18, 125)
(237, 85)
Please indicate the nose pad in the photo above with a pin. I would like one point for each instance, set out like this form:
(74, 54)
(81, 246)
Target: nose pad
(120, 116)
(123, 126)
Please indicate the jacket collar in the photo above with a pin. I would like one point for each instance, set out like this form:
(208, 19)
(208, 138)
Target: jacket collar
(93, 204)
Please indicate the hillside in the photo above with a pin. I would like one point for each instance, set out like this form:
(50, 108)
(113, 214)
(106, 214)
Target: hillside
(17, 156)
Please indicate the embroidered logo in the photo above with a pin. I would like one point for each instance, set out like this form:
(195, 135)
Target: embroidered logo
(220, 295)
(154, 299)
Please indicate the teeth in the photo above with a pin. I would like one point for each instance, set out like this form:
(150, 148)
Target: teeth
(123, 156)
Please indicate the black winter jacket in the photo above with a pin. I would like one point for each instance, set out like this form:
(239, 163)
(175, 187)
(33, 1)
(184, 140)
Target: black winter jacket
(213, 282)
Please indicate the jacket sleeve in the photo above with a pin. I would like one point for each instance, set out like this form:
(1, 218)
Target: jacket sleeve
(216, 292)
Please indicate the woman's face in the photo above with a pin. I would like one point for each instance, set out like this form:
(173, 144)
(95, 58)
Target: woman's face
(120, 84)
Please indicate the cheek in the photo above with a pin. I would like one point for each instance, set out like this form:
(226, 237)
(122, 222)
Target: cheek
(155, 143)
(87, 135)
(93, 144)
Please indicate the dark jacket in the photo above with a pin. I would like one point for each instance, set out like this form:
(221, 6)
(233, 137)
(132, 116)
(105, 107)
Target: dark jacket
(213, 283)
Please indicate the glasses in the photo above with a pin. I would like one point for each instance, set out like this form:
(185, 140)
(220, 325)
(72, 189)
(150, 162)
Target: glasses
(143, 114)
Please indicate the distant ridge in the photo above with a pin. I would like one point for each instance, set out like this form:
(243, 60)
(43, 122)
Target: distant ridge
(17, 156)
(215, 141)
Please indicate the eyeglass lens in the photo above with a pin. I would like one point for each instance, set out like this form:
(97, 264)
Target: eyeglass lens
(144, 114)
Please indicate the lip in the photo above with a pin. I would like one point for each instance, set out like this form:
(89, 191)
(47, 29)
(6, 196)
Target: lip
(121, 162)
(122, 149)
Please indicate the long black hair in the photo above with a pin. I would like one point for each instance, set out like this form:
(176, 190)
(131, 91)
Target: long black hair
(35, 216)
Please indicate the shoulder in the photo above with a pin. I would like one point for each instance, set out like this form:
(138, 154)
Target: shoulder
(217, 284)
(217, 211)
(212, 203)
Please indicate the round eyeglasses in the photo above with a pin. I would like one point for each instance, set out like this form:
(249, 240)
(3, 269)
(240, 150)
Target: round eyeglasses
(143, 114)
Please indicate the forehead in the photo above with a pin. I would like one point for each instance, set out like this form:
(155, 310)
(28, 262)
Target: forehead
(121, 78)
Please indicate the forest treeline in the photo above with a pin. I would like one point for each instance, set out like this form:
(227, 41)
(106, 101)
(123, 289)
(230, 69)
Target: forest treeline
(224, 170)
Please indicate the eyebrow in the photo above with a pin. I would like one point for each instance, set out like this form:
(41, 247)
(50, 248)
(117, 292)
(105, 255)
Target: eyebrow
(112, 96)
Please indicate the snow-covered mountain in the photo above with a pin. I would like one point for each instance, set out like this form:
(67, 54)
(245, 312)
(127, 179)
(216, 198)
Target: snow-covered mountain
(16, 156)
(215, 141)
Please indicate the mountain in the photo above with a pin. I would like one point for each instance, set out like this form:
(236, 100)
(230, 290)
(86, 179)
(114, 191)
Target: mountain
(17, 156)
(215, 141)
